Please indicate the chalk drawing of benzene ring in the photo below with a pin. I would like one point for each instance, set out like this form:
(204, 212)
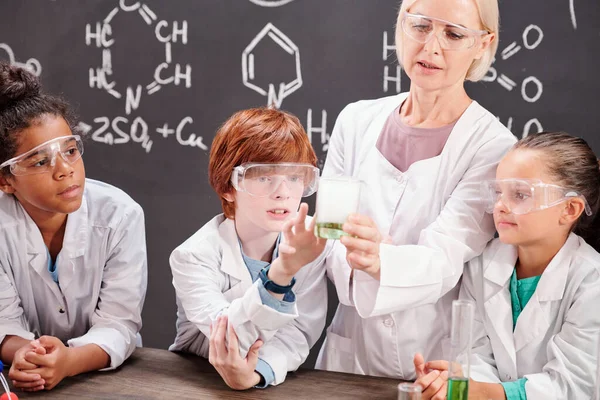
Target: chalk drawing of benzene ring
(150, 18)
(271, 3)
(275, 97)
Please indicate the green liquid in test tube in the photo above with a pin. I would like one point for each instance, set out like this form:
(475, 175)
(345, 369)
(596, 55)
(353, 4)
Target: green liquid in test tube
(458, 389)
(461, 338)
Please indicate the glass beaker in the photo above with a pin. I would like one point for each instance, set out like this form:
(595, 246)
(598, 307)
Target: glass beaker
(337, 198)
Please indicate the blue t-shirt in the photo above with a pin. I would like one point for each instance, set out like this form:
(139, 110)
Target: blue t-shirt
(52, 267)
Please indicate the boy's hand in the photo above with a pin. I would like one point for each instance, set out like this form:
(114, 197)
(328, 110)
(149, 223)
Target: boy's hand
(299, 247)
(237, 372)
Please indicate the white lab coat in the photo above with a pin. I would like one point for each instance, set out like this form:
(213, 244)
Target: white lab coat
(211, 278)
(597, 390)
(436, 224)
(555, 342)
(102, 271)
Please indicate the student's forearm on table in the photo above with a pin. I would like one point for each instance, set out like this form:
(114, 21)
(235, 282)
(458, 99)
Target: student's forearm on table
(87, 358)
(9, 347)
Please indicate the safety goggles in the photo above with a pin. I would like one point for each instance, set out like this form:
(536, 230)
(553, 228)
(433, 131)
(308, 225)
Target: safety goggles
(42, 158)
(451, 36)
(263, 179)
(522, 196)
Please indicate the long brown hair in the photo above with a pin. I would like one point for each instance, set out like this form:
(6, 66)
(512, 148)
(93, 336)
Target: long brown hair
(573, 164)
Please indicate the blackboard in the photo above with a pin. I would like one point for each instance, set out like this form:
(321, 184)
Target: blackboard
(152, 80)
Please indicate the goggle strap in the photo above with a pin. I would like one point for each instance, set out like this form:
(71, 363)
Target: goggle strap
(235, 177)
(588, 209)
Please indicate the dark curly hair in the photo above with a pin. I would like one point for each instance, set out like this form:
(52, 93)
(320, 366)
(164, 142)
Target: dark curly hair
(22, 104)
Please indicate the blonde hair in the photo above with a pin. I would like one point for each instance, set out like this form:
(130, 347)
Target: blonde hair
(489, 15)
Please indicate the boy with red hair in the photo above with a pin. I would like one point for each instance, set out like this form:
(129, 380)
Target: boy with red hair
(250, 299)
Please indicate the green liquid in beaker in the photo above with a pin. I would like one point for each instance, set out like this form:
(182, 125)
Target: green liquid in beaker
(329, 230)
(458, 389)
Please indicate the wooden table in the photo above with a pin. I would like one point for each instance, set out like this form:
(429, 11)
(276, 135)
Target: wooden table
(160, 374)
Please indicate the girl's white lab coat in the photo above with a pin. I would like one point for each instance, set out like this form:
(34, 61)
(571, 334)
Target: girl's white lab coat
(211, 278)
(436, 224)
(102, 272)
(597, 390)
(555, 342)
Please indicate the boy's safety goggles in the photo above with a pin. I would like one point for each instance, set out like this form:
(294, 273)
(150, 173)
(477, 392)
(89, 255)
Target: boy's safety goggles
(263, 179)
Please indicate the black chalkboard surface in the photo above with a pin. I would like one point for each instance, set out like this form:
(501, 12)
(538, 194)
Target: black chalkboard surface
(152, 80)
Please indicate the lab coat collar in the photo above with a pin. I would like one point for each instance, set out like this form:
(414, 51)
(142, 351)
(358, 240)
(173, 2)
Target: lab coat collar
(553, 282)
(232, 262)
(75, 243)
(463, 130)
(534, 320)
(498, 304)
(501, 264)
(76, 233)
(376, 126)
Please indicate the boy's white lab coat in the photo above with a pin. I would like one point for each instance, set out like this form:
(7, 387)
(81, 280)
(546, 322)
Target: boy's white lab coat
(211, 278)
(555, 342)
(102, 272)
(436, 224)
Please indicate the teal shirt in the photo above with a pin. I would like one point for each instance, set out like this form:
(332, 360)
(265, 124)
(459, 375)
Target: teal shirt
(521, 291)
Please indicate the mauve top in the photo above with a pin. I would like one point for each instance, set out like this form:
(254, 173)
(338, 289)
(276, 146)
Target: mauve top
(402, 145)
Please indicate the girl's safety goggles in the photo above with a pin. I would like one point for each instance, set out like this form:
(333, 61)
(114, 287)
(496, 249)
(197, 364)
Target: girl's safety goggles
(42, 158)
(522, 196)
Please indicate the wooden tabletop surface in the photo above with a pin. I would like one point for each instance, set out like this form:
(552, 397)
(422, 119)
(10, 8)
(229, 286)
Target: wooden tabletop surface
(160, 374)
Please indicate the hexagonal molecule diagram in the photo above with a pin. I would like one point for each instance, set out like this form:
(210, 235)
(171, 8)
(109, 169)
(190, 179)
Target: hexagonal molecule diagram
(283, 56)
(165, 33)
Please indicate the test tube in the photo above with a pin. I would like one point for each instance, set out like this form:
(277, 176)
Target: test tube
(409, 391)
(461, 339)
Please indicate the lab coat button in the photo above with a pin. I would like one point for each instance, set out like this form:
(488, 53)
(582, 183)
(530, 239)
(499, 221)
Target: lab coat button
(508, 377)
(62, 310)
(388, 322)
